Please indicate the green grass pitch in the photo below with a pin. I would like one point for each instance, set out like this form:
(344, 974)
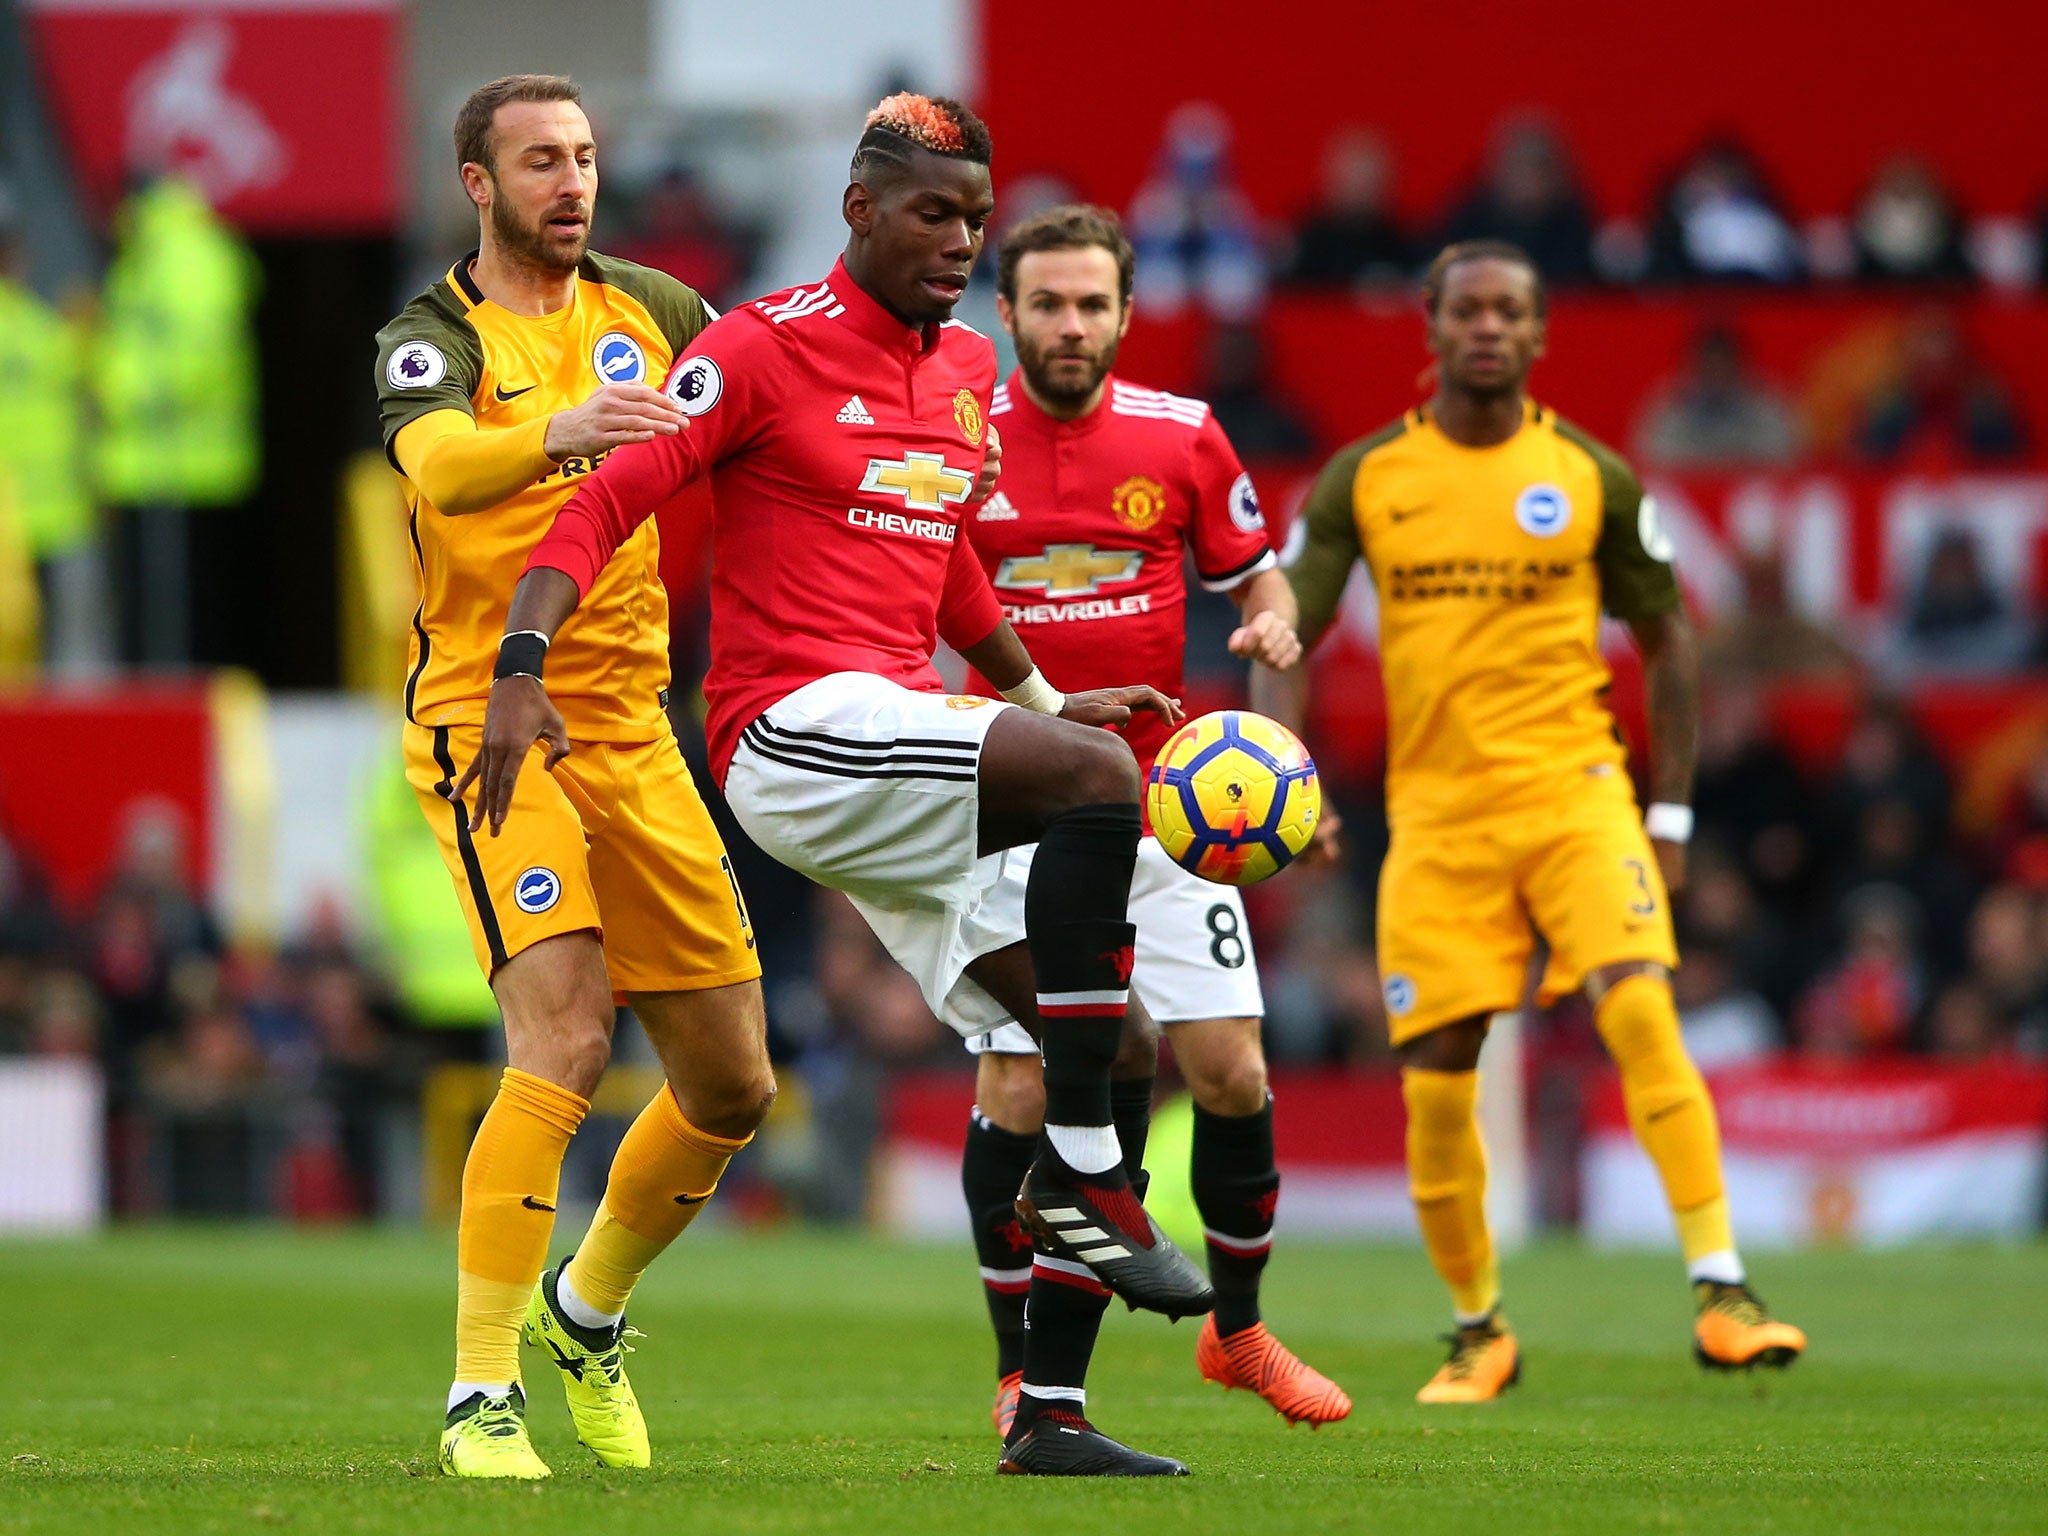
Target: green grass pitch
(227, 1379)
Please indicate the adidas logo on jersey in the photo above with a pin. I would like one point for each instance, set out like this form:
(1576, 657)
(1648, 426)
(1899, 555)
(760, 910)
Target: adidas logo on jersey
(854, 414)
(998, 509)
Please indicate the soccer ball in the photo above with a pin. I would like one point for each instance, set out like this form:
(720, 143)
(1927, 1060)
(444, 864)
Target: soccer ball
(1233, 797)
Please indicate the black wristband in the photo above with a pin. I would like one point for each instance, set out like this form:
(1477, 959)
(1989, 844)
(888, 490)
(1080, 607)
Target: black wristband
(521, 655)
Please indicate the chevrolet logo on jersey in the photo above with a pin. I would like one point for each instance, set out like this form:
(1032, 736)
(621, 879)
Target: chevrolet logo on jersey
(1069, 570)
(924, 480)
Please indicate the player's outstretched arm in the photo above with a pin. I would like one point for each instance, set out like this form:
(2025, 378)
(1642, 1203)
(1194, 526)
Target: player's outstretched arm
(1002, 659)
(520, 711)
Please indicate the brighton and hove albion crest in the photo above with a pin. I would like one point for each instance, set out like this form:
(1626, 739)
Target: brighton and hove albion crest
(618, 359)
(1138, 503)
(967, 416)
(1543, 510)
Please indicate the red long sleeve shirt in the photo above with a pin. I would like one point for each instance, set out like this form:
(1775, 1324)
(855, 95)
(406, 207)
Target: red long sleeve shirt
(841, 447)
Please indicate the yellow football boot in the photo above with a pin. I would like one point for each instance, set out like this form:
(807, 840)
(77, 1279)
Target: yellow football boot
(1733, 1331)
(486, 1437)
(1484, 1363)
(593, 1367)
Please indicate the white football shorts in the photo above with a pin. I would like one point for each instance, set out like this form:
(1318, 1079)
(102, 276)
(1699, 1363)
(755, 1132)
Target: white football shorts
(872, 789)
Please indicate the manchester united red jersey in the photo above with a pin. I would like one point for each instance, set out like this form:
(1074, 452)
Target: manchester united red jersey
(842, 446)
(1085, 535)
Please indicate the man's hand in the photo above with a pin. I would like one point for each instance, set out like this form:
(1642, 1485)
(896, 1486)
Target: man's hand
(1114, 706)
(519, 714)
(1267, 639)
(1670, 864)
(617, 413)
(991, 468)
(1326, 843)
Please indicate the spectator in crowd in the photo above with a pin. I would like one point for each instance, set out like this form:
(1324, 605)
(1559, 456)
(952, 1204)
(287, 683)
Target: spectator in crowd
(1351, 237)
(1958, 620)
(1529, 194)
(1907, 228)
(66, 1020)
(349, 1075)
(1767, 638)
(680, 230)
(1718, 222)
(1963, 1026)
(1718, 414)
(2007, 964)
(1196, 236)
(1865, 1003)
(1725, 1023)
(1259, 424)
(1750, 797)
(1939, 399)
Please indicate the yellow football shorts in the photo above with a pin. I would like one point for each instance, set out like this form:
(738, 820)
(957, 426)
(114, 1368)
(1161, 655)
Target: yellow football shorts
(616, 839)
(1460, 909)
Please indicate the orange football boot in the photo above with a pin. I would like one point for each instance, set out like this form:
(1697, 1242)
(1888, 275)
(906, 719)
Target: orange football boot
(1005, 1411)
(1733, 1332)
(1256, 1361)
(1484, 1363)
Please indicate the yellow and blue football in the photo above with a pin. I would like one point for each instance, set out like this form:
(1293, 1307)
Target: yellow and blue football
(1233, 797)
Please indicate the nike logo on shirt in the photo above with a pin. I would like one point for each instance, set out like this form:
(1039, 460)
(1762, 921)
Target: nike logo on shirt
(505, 394)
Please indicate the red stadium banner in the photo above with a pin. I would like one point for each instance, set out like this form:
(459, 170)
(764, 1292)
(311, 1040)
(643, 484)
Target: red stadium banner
(1863, 1153)
(285, 113)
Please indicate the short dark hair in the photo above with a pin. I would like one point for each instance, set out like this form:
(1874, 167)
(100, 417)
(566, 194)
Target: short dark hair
(473, 122)
(1070, 227)
(1479, 250)
(906, 122)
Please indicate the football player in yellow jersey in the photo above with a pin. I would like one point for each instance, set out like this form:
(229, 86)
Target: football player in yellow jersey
(1494, 534)
(501, 387)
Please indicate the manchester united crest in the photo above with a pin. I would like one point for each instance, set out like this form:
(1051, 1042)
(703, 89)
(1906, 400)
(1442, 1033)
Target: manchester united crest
(967, 414)
(1138, 503)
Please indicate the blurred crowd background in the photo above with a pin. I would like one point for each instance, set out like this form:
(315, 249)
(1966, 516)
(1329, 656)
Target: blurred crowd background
(1819, 340)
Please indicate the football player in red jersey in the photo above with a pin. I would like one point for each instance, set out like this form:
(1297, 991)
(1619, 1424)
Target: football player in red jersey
(1105, 487)
(842, 426)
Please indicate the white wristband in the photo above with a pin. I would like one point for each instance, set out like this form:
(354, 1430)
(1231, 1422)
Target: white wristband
(1036, 695)
(1668, 823)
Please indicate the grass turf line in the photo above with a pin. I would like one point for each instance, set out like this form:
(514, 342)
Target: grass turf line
(228, 1379)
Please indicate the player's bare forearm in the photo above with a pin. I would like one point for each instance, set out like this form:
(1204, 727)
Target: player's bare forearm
(1001, 658)
(1267, 636)
(1671, 687)
(542, 602)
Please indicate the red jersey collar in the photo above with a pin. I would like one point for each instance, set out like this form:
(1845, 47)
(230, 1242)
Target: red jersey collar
(867, 316)
(1020, 400)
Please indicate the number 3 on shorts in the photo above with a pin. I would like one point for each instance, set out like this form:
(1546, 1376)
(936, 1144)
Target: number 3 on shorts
(1226, 944)
(1644, 902)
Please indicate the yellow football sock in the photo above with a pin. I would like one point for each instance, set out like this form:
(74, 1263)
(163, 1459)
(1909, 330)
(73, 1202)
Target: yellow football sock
(509, 1186)
(1447, 1179)
(665, 1172)
(1669, 1108)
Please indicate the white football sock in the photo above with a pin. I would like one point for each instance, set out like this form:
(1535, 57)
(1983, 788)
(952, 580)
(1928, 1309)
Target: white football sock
(1723, 1266)
(579, 1311)
(1076, 1395)
(1086, 1148)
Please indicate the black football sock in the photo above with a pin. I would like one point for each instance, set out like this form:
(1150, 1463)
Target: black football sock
(1060, 1323)
(994, 1165)
(1236, 1188)
(1130, 1111)
(1081, 955)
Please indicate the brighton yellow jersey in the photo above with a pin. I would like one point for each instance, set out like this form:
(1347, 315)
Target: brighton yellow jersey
(1492, 566)
(452, 348)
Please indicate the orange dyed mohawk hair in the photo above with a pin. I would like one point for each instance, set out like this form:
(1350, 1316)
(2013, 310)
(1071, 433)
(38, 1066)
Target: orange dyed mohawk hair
(906, 122)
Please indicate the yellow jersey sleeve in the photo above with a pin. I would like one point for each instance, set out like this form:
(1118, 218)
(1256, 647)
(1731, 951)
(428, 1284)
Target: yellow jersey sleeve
(460, 468)
(428, 359)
